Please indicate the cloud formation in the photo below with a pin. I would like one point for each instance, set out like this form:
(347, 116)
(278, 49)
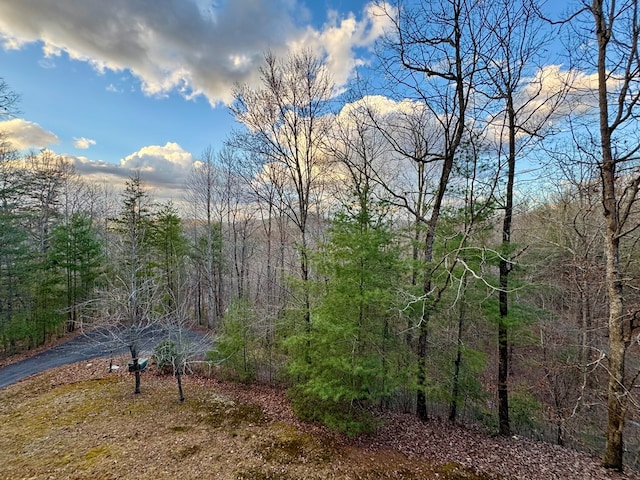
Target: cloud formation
(340, 36)
(22, 134)
(83, 143)
(191, 46)
(163, 167)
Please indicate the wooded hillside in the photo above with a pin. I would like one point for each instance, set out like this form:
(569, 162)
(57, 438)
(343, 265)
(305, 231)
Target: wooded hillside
(460, 242)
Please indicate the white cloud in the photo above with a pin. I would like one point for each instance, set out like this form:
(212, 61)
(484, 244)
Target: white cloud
(340, 37)
(23, 134)
(380, 106)
(83, 143)
(165, 165)
(162, 168)
(188, 46)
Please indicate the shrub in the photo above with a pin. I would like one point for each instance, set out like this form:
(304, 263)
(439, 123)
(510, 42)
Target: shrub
(165, 354)
(237, 344)
(352, 418)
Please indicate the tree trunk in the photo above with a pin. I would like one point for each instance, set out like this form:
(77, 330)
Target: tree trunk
(455, 390)
(503, 375)
(421, 396)
(136, 367)
(586, 325)
(505, 269)
(617, 395)
(179, 380)
(304, 271)
(617, 398)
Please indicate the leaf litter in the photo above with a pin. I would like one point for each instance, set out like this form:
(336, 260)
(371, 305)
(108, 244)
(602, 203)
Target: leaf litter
(81, 421)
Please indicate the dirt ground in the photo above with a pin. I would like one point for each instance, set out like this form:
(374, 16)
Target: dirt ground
(81, 421)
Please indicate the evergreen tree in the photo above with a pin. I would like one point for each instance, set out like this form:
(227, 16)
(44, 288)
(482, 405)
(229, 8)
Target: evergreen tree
(354, 349)
(14, 275)
(16, 330)
(171, 247)
(77, 253)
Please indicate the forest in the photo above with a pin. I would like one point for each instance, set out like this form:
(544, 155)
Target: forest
(457, 240)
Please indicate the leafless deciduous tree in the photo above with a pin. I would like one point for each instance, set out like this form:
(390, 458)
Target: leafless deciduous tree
(432, 54)
(608, 35)
(8, 100)
(286, 128)
(126, 312)
(204, 194)
(181, 348)
(519, 106)
(616, 26)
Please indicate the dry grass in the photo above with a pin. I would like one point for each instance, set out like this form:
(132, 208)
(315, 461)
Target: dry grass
(81, 422)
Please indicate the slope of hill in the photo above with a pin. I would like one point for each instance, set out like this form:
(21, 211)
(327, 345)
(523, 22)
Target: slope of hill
(80, 421)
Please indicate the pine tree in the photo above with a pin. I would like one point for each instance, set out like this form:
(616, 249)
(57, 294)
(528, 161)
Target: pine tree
(352, 358)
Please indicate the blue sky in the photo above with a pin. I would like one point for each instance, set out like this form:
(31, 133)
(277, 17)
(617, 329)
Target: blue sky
(118, 84)
(121, 85)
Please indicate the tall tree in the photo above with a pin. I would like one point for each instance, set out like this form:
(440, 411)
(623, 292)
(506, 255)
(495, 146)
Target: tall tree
(263, 190)
(171, 247)
(432, 53)
(287, 127)
(616, 31)
(132, 291)
(77, 252)
(42, 176)
(15, 251)
(239, 217)
(519, 106)
(203, 192)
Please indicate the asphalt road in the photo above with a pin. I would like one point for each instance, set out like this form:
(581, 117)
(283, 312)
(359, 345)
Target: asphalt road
(86, 347)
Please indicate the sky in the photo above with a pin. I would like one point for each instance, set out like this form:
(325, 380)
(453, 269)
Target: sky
(121, 85)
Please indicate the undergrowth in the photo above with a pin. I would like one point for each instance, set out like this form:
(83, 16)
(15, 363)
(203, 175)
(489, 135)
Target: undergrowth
(97, 428)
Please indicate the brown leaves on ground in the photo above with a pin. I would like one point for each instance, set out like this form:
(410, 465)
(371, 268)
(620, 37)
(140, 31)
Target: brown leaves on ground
(82, 422)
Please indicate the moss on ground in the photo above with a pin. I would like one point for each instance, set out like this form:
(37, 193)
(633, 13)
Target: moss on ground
(96, 428)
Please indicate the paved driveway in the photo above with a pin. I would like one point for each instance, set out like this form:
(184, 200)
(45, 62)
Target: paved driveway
(85, 347)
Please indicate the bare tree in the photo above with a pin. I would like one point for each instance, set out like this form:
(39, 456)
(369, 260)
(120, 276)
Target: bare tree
(8, 100)
(126, 313)
(286, 128)
(202, 192)
(519, 105)
(566, 248)
(608, 34)
(238, 213)
(617, 31)
(47, 174)
(180, 348)
(267, 196)
(432, 53)
(264, 187)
